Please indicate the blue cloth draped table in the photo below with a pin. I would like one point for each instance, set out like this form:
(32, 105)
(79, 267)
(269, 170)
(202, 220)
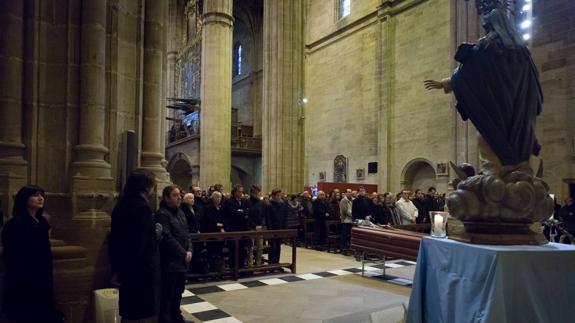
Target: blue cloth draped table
(460, 283)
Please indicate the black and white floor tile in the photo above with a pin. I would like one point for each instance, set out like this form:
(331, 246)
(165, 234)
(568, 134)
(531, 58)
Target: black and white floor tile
(192, 302)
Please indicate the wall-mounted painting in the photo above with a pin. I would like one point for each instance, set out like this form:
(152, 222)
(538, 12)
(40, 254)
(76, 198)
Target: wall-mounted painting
(360, 174)
(442, 169)
(340, 169)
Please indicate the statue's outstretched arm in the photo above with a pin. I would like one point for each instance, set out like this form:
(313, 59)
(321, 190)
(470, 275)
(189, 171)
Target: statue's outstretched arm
(444, 84)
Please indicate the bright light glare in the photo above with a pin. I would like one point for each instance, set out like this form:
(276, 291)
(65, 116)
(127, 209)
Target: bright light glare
(526, 7)
(526, 24)
(304, 100)
(526, 36)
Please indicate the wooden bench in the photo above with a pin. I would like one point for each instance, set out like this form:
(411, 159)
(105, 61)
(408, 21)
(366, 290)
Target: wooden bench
(235, 237)
(385, 242)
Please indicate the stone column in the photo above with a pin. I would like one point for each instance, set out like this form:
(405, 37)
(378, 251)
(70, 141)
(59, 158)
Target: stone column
(282, 124)
(216, 93)
(13, 167)
(92, 186)
(153, 93)
(91, 151)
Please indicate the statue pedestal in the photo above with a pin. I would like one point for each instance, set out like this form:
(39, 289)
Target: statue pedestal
(499, 209)
(508, 238)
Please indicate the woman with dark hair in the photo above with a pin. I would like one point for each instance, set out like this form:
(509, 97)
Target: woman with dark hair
(134, 254)
(29, 291)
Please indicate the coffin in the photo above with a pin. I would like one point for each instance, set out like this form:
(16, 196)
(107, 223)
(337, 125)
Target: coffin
(386, 242)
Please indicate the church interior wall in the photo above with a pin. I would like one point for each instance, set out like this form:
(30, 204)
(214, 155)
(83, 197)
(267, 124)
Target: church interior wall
(420, 121)
(341, 90)
(553, 52)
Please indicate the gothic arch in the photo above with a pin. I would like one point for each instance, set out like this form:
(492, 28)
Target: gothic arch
(180, 169)
(419, 173)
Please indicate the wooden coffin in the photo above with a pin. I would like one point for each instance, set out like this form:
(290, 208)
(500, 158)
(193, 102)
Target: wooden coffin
(386, 242)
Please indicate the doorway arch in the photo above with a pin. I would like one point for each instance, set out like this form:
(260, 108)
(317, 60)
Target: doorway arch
(419, 173)
(180, 169)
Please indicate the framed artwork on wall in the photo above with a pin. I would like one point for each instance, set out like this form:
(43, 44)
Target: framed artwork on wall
(340, 169)
(442, 169)
(322, 176)
(360, 174)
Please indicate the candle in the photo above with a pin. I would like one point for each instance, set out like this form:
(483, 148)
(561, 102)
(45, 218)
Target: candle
(438, 224)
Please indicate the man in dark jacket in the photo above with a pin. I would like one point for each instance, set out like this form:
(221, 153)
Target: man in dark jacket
(276, 220)
(255, 208)
(420, 202)
(361, 206)
(236, 219)
(319, 215)
(433, 201)
(255, 222)
(175, 253)
(134, 254)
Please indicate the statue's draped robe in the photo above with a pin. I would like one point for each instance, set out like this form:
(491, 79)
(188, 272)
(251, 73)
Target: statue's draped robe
(497, 88)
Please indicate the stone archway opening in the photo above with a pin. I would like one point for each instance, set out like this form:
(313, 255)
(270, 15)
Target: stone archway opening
(181, 171)
(419, 174)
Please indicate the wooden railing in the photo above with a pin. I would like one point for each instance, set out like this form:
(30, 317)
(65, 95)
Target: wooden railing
(235, 237)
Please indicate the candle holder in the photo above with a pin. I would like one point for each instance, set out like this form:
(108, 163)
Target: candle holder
(438, 224)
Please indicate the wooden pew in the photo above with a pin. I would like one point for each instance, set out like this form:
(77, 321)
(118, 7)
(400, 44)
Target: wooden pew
(235, 237)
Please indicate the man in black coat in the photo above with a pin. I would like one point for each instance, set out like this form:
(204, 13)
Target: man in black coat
(175, 252)
(420, 202)
(361, 206)
(276, 220)
(255, 222)
(432, 201)
(255, 208)
(236, 219)
(133, 247)
(319, 215)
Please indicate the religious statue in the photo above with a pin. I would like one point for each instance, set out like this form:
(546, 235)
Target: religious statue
(497, 87)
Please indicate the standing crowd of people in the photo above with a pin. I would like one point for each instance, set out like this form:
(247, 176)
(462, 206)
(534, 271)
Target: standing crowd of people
(379, 208)
(151, 251)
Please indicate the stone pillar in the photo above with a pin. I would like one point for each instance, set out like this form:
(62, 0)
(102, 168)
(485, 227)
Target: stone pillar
(282, 123)
(90, 162)
(13, 167)
(216, 93)
(385, 72)
(92, 186)
(153, 93)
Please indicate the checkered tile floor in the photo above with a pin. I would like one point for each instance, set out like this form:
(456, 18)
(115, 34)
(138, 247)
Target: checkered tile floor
(193, 304)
